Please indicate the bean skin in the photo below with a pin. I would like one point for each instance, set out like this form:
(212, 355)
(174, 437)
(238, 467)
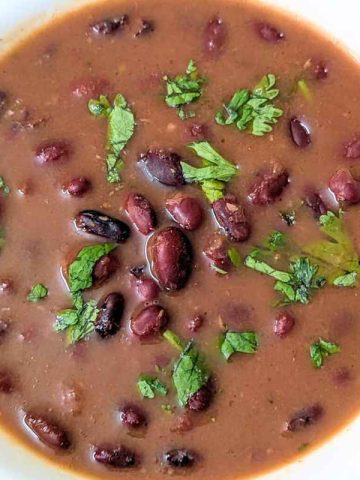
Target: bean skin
(186, 211)
(231, 217)
(48, 432)
(102, 225)
(344, 186)
(104, 269)
(284, 323)
(141, 213)
(163, 166)
(77, 187)
(305, 418)
(111, 310)
(149, 322)
(300, 133)
(132, 416)
(115, 457)
(170, 253)
(109, 26)
(215, 36)
(179, 458)
(53, 152)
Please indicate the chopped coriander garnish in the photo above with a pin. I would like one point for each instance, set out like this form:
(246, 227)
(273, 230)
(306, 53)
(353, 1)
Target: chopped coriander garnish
(121, 125)
(235, 257)
(347, 280)
(253, 109)
(149, 387)
(174, 340)
(214, 172)
(78, 322)
(184, 89)
(166, 407)
(275, 241)
(218, 270)
(2, 237)
(4, 188)
(288, 217)
(37, 293)
(238, 342)
(303, 88)
(321, 350)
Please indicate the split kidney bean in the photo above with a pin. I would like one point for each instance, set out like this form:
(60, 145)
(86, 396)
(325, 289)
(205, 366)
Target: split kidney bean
(163, 166)
(104, 269)
(215, 35)
(231, 217)
(111, 310)
(344, 186)
(171, 255)
(7, 384)
(109, 26)
(147, 289)
(132, 416)
(305, 418)
(52, 152)
(216, 250)
(269, 33)
(352, 149)
(149, 322)
(115, 457)
(269, 186)
(179, 458)
(185, 210)
(200, 400)
(141, 213)
(101, 225)
(48, 432)
(77, 187)
(3, 102)
(283, 325)
(300, 133)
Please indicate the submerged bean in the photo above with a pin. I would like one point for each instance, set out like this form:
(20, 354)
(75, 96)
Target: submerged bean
(284, 323)
(215, 35)
(147, 26)
(269, 33)
(115, 457)
(77, 186)
(132, 416)
(345, 187)
(52, 152)
(179, 458)
(48, 432)
(102, 225)
(109, 26)
(111, 310)
(147, 289)
(300, 133)
(3, 102)
(200, 400)
(7, 383)
(305, 418)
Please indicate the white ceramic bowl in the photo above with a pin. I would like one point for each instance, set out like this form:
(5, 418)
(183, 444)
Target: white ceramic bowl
(338, 459)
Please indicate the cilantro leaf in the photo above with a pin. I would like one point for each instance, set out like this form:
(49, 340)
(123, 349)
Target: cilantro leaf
(80, 270)
(78, 322)
(184, 89)
(190, 373)
(303, 87)
(37, 293)
(238, 342)
(5, 189)
(321, 350)
(252, 109)
(214, 172)
(149, 387)
(218, 270)
(121, 126)
(174, 340)
(347, 280)
(235, 257)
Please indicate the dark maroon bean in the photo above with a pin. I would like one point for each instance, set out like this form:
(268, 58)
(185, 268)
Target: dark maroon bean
(52, 152)
(269, 186)
(345, 187)
(150, 321)
(179, 458)
(109, 26)
(163, 166)
(342, 376)
(147, 26)
(3, 102)
(7, 384)
(269, 32)
(315, 202)
(171, 255)
(48, 432)
(231, 216)
(147, 289)
(195, 323)
(283, 325)
(215, 35)
(111, 310)
(132, 416)
(101, 225)
(200, 400)
(305, 418)
(352, 149)
(137, 271)
(216, 250)
(104, 269)
(115, 457)
(198, 132)
(185, 210)
(77, 186)
(141, 213)
(320, 71)
(300, 133)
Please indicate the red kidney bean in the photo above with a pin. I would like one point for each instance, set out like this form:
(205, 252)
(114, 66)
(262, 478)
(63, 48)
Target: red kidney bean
(179, 458)
(320, 71)
(183, 423)
(77, 187)
(300, 133)
(53, 152)
(185, 210)
(115, 457)
(283, 325)
(200, 400)
(150, 321)
(269, 33)
(48, 432)
(147, 289)
(171, 255)
(195, 323)
(197, 132)
(104, 269)
(342, 376)
(90, 87)
(231, 217)
(215, 35)
(132, 416)
(216, 250)
(344, 186)
(163, 166)
(109, 26)
(147, 26)
(352, 149)
(141, 213)
(7, 384)
(3, 102)
(305, 418)
(111, 310)
(101, 225)
(269, 186)
(314, 201)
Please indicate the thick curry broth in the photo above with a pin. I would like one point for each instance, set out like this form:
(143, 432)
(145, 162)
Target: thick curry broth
(242, 431)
